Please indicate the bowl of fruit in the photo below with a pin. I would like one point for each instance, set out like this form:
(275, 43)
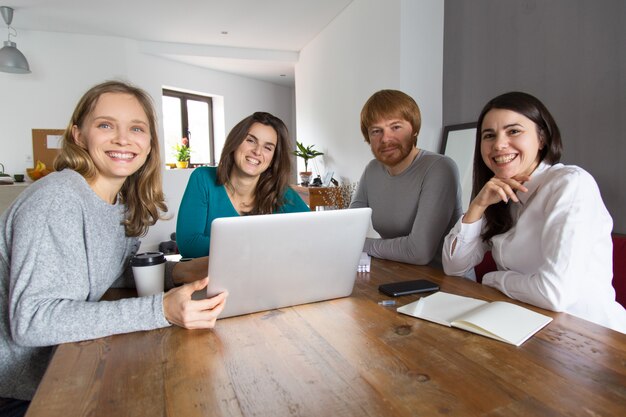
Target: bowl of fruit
(38, 171)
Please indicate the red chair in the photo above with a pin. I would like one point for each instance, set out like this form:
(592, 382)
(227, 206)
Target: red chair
(486, 265)
(619, 267)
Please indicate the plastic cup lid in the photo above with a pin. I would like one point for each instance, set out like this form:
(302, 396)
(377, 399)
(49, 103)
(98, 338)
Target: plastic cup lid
(148, 259)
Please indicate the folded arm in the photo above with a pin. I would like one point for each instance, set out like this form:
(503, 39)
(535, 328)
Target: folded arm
(463, 248)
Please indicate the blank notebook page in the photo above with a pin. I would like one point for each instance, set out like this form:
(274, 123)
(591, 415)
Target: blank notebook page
(504, 320)
(441, 307)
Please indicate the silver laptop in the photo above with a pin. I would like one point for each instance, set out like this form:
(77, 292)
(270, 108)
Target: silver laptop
(279, 260)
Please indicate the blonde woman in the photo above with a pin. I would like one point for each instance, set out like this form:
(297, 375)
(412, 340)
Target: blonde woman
(69, 237)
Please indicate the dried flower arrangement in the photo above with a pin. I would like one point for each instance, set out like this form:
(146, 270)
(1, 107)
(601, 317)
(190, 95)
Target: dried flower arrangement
(337, 198)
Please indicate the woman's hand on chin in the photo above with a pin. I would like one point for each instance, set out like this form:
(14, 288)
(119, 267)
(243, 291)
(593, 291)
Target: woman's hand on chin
(494, 191)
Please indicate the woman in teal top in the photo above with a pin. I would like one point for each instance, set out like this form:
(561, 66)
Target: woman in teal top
(251, 178)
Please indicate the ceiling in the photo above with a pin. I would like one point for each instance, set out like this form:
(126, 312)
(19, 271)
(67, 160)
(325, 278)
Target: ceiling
(255, 38)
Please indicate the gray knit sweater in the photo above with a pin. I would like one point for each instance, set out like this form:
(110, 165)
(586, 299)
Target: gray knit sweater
(61, 248)
(412, 211)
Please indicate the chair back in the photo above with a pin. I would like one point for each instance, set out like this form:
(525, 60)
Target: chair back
(486, 265)
(619, 268)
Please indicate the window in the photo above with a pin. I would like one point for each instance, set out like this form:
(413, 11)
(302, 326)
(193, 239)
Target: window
(191, 116)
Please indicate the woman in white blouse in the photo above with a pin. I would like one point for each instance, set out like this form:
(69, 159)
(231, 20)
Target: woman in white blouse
(545, 222)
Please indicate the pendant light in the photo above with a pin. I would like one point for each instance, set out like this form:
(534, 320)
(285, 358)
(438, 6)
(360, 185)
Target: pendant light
(11, 59)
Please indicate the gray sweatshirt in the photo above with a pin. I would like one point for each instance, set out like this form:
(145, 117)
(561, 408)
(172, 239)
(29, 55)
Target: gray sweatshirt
(61, 248)
(412, 211)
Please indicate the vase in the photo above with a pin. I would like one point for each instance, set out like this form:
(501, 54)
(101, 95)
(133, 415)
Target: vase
(305, 178)
(182, 164)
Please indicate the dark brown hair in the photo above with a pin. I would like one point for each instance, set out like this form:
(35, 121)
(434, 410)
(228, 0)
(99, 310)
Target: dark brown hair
(386, 104)
(273, 182)
(142, 192)
(498, 218)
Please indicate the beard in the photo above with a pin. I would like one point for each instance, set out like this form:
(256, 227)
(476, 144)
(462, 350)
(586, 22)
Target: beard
(391, 154)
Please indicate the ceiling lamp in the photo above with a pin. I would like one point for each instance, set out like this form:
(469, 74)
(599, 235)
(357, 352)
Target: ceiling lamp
(11, 59)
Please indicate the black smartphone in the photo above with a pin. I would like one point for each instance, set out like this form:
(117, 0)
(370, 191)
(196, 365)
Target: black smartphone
(395, 289)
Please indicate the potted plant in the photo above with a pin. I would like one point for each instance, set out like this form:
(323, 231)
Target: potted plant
(306, 153)
(183, 153)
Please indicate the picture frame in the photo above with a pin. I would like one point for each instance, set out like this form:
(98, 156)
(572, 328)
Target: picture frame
(327, 177)
(458, 143)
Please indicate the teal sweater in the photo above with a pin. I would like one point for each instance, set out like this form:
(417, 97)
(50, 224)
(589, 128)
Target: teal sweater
(204, 201)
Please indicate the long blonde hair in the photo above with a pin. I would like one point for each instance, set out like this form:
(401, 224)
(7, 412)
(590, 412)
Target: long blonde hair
(142, 192)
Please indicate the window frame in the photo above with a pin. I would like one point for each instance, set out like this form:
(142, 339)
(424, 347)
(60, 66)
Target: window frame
(183, 96)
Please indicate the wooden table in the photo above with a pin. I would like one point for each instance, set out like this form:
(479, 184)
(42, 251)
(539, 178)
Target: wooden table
(320, 196)
(345, 357)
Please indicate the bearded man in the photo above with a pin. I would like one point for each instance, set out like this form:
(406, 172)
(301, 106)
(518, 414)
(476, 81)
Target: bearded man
(414, 194)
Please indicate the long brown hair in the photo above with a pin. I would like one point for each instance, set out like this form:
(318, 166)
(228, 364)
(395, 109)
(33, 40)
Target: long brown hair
(498, 217)
(142, 192)
(270, 190)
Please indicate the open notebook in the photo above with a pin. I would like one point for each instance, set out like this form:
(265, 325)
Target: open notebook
(498, 320)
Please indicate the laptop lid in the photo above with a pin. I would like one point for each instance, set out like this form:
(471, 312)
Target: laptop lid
(279, 260)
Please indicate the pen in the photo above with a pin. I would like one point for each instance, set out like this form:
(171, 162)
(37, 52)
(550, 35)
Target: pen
(386, 303)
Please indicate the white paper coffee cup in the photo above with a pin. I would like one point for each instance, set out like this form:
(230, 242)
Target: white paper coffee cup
(149, 272)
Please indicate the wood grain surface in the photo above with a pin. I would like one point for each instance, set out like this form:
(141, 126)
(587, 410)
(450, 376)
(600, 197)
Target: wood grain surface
(344, 357)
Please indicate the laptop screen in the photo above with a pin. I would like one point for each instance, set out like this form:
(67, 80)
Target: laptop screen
(279, 260)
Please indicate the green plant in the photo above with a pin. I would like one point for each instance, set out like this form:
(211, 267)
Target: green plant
(306, 153)
(183, 153)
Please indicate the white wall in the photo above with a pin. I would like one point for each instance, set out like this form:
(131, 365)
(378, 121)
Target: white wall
(421, 65)
(372, 45)
(64, 66)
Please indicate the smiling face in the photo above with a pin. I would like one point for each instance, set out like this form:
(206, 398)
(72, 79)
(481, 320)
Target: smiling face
(254, 155)
(116, 134)
(510, 143)
(392, 142)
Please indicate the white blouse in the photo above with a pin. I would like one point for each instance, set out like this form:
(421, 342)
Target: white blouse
(557, 256)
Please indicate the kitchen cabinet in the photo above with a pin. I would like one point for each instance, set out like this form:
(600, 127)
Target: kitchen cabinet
(9, 192)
